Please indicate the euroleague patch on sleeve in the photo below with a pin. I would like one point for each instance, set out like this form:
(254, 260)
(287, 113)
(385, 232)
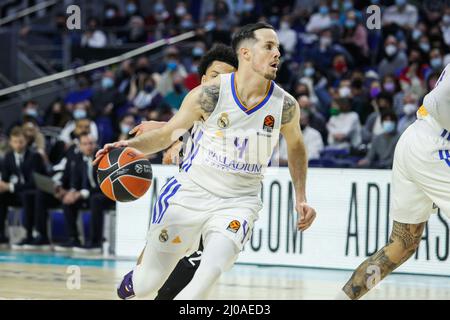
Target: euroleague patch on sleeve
(234, 226)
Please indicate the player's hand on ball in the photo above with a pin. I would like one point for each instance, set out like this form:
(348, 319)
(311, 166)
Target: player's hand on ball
(100, 153)
(306, 214)
(147, 126)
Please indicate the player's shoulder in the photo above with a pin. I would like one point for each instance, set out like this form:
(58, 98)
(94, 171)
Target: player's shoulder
(288, 99)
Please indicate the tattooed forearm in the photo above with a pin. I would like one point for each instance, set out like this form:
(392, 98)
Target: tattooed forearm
(402, 244)
(209, 96)
(288, 109)
(406, 234)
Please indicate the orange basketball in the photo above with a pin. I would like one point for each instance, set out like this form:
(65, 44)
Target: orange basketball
(124, 174)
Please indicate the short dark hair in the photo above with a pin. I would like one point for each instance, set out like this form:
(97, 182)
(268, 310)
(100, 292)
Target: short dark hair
(17, 132)
(388, 113)
(219, 52)
(248, 32)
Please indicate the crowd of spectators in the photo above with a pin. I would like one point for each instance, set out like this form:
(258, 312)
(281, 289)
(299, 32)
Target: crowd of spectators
(358, 88)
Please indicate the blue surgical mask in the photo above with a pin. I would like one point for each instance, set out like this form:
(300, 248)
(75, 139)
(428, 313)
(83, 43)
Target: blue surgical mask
(79, 114)
(309, 72)
(124, 128)
(194, 69)
(32, 112)
(159, 7)
(348, 5)
(424, 46)
(110, 13)
(416, 34)
(248, 7)
(210, 25)
(131, 8)
(350, 23)
(186, 24)
(400, 2)
(171, 65)
(107, 83)
(388, 126)
(436, 63)
(148, 88)
(197, 52)
(323, 10)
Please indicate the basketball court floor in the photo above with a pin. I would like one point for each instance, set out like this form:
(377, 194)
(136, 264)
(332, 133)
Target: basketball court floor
(30, 275)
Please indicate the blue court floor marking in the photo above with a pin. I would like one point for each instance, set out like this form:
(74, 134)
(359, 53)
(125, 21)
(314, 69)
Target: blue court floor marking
(53, 259)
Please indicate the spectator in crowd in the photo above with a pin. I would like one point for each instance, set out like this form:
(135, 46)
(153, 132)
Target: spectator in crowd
(354, 38)
(127, 123)
(313, 140)
(74, 128)
(30, 109)
(315, 119)
(56, 114)
(391, 86)
(320, 20)
(93, 37)
(445, 26)
(175, 98)
(84, 92)
(402, 14)
(394, 59)
(35, 139)
(344, 128)
(143, 93)
(381, 151)
(410, 107)
(287, 36)
(373, 125)
(84, 192)
(173, 68)
(136, 32)
(81, 114)
(436, 60)
(112, 16)
(17, 186)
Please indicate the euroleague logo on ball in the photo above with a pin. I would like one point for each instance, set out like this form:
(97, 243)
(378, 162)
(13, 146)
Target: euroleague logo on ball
(139, 168)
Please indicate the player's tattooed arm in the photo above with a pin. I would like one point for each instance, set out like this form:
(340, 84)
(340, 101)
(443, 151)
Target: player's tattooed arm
(402, 244)
(289, 105)
(208, 97)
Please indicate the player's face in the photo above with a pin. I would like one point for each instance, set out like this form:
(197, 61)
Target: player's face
(266, 53)
(216, 68)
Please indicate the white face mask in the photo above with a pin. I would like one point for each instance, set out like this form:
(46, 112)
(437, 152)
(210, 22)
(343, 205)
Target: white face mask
(391, 50)
(409, 109)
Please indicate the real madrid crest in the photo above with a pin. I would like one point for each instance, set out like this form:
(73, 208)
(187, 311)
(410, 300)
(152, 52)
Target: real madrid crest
(223, 121)
(163, 236)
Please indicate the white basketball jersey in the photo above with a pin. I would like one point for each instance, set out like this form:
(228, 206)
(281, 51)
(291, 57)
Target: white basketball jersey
(437, 102)
(230, 151)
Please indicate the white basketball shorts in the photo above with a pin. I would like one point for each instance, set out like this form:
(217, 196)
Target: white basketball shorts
(421, 173)
(184, 212)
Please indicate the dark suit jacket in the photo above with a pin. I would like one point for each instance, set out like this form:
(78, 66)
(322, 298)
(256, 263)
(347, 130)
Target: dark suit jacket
(79, 178)
(32, 162)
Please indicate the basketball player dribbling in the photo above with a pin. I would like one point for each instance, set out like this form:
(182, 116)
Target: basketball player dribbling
(221, 59)
(236, 121)
(420, 181)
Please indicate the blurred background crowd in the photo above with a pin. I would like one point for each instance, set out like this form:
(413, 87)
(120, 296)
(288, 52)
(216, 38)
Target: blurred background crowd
(358, 88)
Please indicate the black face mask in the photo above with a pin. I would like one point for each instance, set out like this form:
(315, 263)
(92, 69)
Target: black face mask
(303, 126)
